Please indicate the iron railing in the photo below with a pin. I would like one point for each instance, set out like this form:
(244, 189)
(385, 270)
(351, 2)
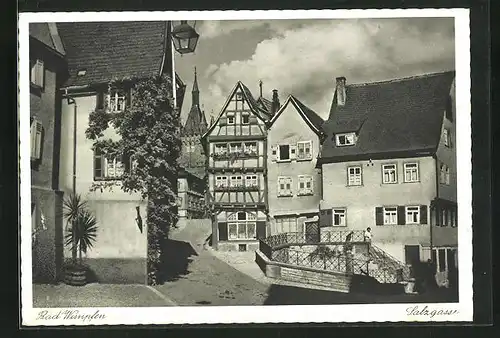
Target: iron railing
(375, 263)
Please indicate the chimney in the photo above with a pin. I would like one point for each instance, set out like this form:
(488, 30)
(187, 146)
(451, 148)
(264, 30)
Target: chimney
(275, 103)
(260, 87)
(340, 91)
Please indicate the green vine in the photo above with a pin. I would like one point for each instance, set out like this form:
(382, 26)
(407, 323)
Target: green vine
(149, 130)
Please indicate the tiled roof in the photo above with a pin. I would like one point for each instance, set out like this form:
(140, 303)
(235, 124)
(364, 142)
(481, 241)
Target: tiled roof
(265, 103)
(310, 114)
(196, 172)
(391, 116)
(111, 50)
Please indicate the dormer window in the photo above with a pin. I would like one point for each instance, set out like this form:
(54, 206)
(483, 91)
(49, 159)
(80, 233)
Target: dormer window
(346, 139)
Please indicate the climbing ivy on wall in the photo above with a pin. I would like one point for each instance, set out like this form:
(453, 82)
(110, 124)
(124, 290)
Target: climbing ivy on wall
(148, 146)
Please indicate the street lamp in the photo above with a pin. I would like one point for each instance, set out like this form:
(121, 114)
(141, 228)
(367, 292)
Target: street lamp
(184, 38)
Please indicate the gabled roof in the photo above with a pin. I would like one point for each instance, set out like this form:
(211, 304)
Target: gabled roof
(259, 112)
(308, 115)
(113, 50)
(47, 34)
(390, 117)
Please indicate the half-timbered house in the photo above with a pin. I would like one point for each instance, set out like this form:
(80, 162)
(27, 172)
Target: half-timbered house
(236, 150)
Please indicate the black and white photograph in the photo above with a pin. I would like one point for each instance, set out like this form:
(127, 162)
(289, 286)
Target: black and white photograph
(219, 166)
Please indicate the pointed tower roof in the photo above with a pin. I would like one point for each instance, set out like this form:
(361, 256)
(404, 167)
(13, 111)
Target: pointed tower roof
(196, 123)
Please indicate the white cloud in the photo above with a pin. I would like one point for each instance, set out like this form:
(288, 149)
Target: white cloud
(305, 60)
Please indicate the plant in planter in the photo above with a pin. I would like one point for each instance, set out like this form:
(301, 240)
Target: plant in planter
(82, 231)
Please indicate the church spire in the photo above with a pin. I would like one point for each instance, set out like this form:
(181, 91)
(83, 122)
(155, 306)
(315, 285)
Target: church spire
(195, 92)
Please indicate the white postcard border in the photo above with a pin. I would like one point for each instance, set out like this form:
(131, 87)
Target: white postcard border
(461, 311)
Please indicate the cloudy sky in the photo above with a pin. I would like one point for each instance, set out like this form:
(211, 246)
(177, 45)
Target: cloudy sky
(303, 57)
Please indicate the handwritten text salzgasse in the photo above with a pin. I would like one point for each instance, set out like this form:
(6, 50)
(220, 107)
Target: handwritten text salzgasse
(430, 312)
(70, 315)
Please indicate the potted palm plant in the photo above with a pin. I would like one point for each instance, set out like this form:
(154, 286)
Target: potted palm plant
(82, 231)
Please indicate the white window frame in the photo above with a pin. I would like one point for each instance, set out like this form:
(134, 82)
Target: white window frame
(342, 216)
(447, 176)
(287, 182)
(114, 165)
(114, 97)
(251, 181)
(289, 221)
(231, 117)
(38, 73)
(236, 181)
(250, 219)
(354, 179)
(36, 135)
(250, 149)
(221, 181)
(345, 139)
(410, 212)
(388, 169)
(279, 153)
(444, 174)
(220, 146)
(237, 149)
(304, 179)
(306, 155)
(410, 169)
(390, 215)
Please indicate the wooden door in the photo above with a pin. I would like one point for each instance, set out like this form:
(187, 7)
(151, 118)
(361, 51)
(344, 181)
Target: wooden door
(312, 232)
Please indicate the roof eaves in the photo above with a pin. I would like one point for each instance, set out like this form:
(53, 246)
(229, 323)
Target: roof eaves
(221, 111)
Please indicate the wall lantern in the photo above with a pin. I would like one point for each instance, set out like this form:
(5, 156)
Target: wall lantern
(184, 38)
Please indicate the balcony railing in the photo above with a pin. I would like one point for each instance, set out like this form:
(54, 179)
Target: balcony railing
(236, 188)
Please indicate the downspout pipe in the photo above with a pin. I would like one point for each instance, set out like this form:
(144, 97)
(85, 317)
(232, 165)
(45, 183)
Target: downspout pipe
(72, 101)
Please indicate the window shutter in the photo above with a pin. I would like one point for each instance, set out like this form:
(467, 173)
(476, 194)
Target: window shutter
(309, 155)
(401, 215)
(379, 216)
(128, 97)
(39, 140)
(274, 153)
(223, 121)
(100, 100)
(222, 231)
(293, 151)
(261, 230)
(253, 119)
(325, 218)
(33, 138)
(423, 214)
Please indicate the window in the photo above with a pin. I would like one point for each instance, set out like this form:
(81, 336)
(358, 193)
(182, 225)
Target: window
(285, 186)
(389, 173)
(250, 148)
(117, 100)
(251, 181)
(284, 152)
(230, 118)
(390, 215)
(245, 118)
(221, 181)
(221, 148)
(36, 133)
(37, 73)
(236, 181)
(241, 225)
(287, 224)
(444, 174)
(447, 137)
(304, 150)
(107, 168)
(411, 172)
(235, 147)
(348, 139)
(339, 217)
(354, 175)
(305, 185)
(412, 215)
